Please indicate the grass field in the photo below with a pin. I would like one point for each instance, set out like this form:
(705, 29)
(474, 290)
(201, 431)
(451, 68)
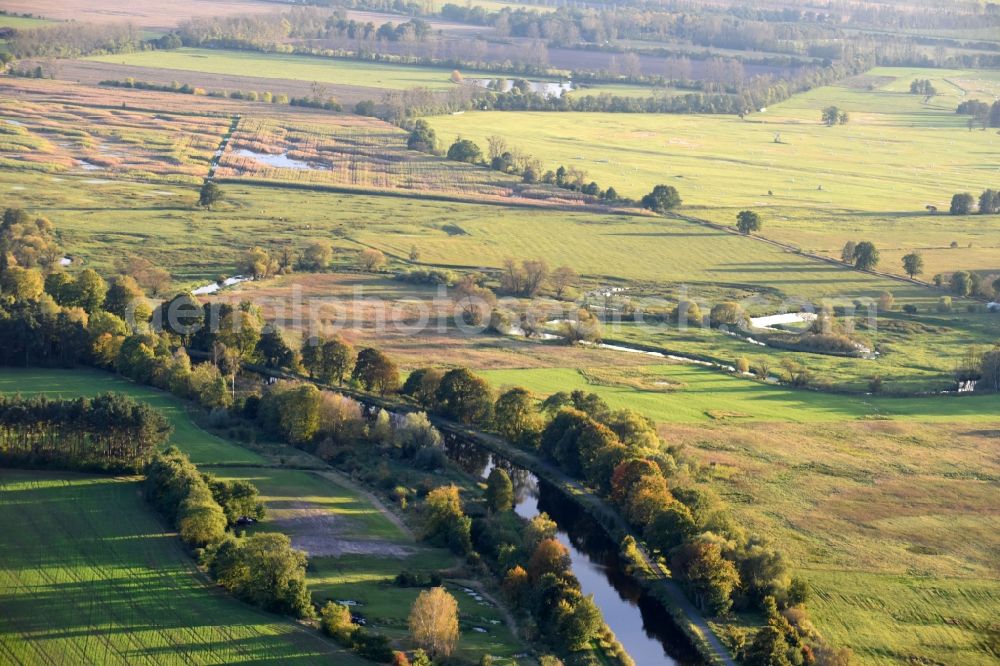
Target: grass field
(687, 393)
(896, 154)
(870, 179)
(202, 446)
(355, 550)
(21, 22)
(893, 524)
(302, 68)
(89, 576)
(102, 221)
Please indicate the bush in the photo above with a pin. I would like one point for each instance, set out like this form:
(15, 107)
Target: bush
(263, 569)
(335, 622)
(371, 646)
(944, 304)
(910, 308)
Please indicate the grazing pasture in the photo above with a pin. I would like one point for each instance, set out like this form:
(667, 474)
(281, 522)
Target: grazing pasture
(684, 393)
(894, 524)
(895, 154)
(89, 575)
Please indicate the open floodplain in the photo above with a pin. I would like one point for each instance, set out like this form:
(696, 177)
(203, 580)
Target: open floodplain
(878, 479)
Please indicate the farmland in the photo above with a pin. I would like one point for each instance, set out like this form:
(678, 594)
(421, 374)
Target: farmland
(869, 179)
(377, 76)
(863, 453)
(685, 394)
(89, 585)
(893, 523)
(356, 550)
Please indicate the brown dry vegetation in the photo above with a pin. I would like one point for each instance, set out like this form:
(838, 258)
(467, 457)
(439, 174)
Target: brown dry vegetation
(357, 303)
(354, 152)
(58, 129)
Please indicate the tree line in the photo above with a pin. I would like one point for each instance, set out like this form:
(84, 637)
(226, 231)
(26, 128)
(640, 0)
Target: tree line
(110, 432)
(262, 569)
(964, 203)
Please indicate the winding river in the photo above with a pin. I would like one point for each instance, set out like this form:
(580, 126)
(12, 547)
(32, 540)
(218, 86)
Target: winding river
(640, 623)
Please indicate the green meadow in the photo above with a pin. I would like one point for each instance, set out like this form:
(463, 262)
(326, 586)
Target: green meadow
(893, 524)
(355, 549)
(101, 218)
(689, 394)
(89, 575)
(200, 445)
(895, 154)
(287, 67)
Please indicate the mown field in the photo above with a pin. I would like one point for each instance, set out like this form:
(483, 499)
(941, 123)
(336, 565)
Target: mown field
(102, 221)
(870, 179)
(893, 523)
(355, 549)
(88, 575)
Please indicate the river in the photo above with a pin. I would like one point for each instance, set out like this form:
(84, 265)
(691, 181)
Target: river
(642, 626)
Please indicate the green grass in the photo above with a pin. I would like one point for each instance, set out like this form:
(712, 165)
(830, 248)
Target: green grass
(704, 394)
(894, 525)
(896, 154)
(99, 221)
(22, 22)
(309, 506)
(892, 619)
(918, 353)
(294, 67)
(89, 576)
(202, 446)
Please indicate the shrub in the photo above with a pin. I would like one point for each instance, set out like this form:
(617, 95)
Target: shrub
(335, 622)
